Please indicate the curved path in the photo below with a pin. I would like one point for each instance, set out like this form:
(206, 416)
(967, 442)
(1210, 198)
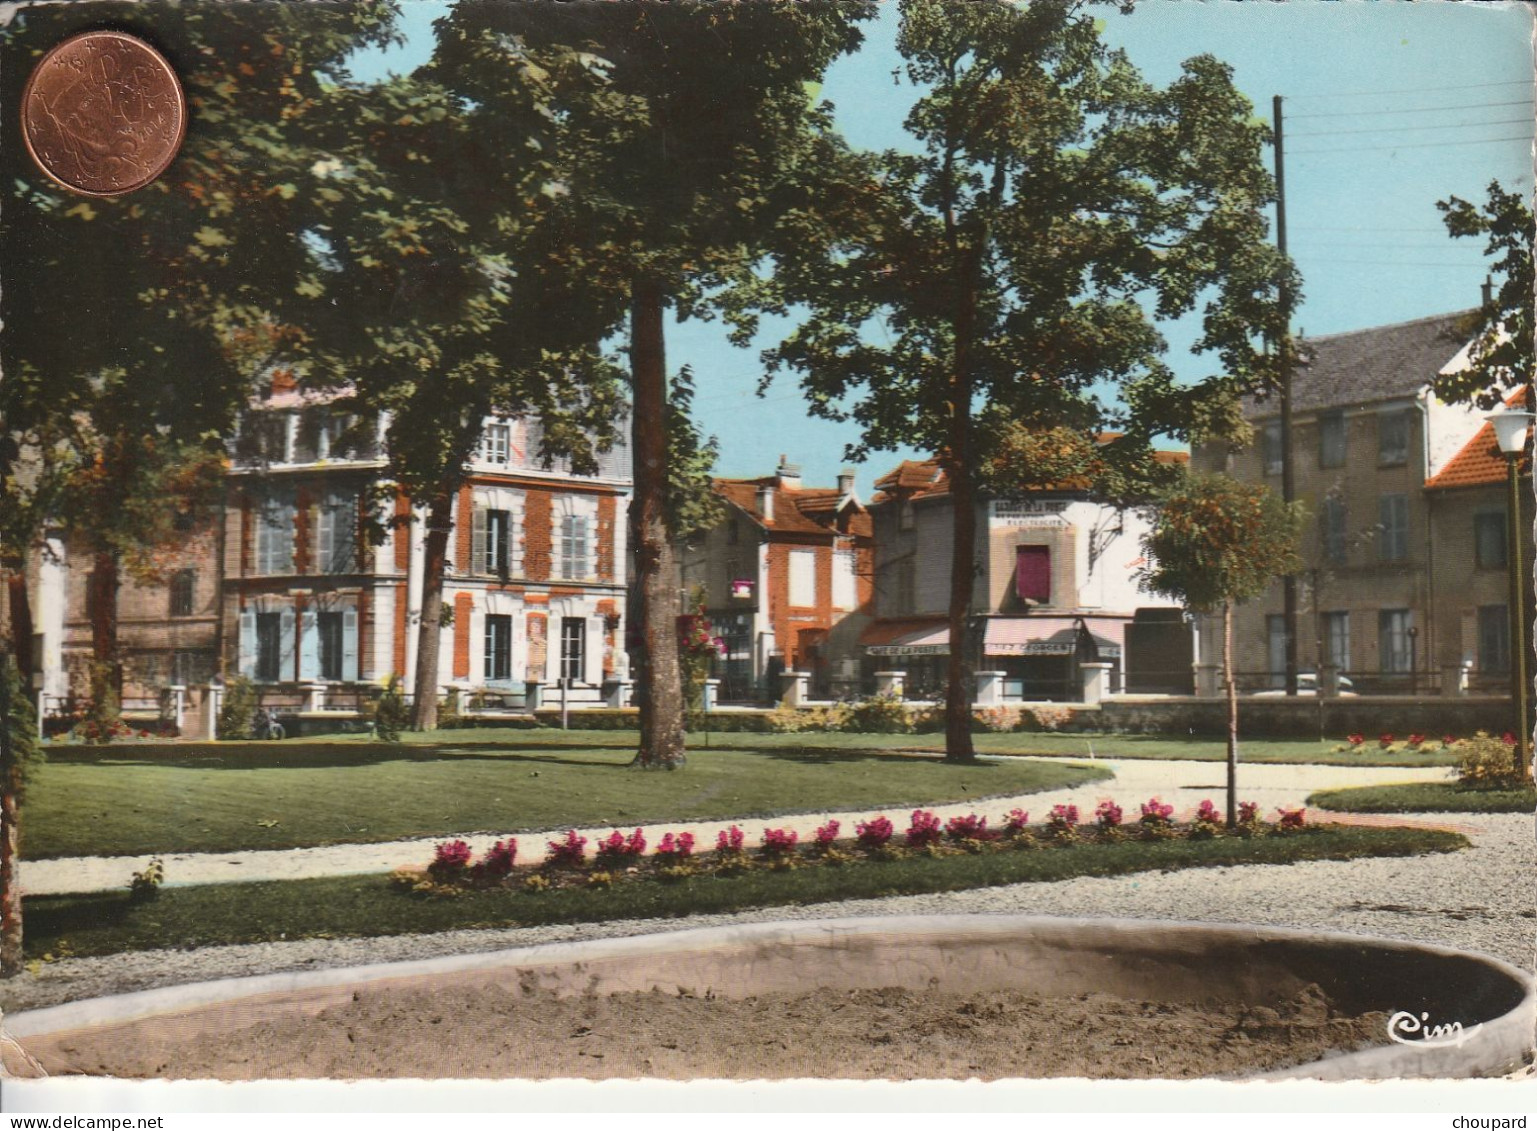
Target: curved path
(1183, 783)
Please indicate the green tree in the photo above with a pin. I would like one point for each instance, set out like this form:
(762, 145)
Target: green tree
(680, 126)
(20, 752)
(1216, 542)
(133, 325)
(1059, 208)
(1501, 328)
(440, 299)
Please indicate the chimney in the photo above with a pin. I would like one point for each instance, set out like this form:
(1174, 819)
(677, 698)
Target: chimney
(845, 484)
(766, 502)
(1488, 290)
(789, 474)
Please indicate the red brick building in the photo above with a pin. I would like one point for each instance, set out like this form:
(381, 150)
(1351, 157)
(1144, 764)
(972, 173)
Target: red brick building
(787, 577)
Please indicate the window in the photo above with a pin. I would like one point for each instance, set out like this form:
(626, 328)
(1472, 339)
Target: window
(183, 585)
(573, 634)
(1270, 447)
(903, 596)
(803, 579)
(491, 543)
(275, 534)
(498, 647)
(1336, 633)
(336, 533)
(1393, 438)
(1331, 439)
(1489, 539)
(190, 668)
(1394, 641)
(1275, 648)
(269, 647)
(1032, 573)
(1333, 519)
(1493, 638)
(906, 519)
(1393, 535)
(575, 562)
(845, 593)
(496, 443)
(330, 626)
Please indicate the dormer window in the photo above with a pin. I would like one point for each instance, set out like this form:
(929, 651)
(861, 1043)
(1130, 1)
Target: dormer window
(906, 519)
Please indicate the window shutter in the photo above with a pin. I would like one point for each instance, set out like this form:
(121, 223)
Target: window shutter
(350, 642)
(479, 562)
(1032, 573)
(286, 645)
(325, 535)
(592, 653)
(309, 645)
(247, 663)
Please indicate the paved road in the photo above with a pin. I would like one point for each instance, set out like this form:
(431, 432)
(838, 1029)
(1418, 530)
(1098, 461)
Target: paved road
(1183, 783)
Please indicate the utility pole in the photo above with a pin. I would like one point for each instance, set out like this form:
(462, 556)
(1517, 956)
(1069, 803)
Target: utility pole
(1283, 357)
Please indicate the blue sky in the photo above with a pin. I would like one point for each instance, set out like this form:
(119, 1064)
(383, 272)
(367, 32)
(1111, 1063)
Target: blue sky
(1389, 107)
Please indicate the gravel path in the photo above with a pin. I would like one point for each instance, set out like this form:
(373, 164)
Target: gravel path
(1483, 899)
(1183, 784)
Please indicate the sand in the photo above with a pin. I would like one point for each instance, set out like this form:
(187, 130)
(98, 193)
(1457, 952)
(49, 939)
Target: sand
(486, 1031)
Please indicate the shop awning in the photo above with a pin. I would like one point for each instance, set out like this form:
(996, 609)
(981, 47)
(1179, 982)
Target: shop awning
(914, 637)
(1049, 636)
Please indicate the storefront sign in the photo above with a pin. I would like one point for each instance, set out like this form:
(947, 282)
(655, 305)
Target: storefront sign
(741, 590)
(1029, 512)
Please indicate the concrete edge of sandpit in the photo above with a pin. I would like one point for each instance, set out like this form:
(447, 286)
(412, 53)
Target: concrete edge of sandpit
(1072, 954)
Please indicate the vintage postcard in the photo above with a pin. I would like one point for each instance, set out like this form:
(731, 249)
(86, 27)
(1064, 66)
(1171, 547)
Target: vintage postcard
(878, 543)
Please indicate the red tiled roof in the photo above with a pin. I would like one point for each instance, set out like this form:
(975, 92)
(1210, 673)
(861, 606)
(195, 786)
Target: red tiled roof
(1479, 463)
(797, 510)
(926, 478)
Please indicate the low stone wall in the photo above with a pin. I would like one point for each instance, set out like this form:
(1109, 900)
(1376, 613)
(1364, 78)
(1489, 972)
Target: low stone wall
(1306, 716)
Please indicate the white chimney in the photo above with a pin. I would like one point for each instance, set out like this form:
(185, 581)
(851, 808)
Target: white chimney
(789, 474)
(766, 502)
(845, 484)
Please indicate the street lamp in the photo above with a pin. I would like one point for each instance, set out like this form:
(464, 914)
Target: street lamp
(1510, 429)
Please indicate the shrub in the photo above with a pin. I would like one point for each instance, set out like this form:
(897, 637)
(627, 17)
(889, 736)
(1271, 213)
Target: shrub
(1157, 819)
(449, 861)
(1062, 823)
(1016, 822)
(880, 714)
(1448, 741)
(825, 836)
(569, 852)
(874, 833)
(1250, 823)
(996, 720)
(923, 830)
(1385, 740)
(145, 885)
(675, 848)
(1047, 718)
(1414, 741)
(497, 863)
(391, 715)
(237, 714)
(730, 840)
(1207, 823)
(1291, 820)
(1488, 763)
(778, 844)
(1356, 739)
(616, 848)
(970, 828)
(1108, 814)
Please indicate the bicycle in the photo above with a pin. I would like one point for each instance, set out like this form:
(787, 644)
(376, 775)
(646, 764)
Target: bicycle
(266, 727)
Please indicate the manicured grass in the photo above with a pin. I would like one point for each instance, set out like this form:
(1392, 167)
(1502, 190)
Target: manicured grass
(131, 800)
(1281, 750)
(1425, 797)
(363, 906)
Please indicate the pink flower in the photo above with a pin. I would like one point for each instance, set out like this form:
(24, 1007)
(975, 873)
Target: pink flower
(1291, 818)
(1108, 814)
(570, 850)
(1063, 816)
(924, 829)
(1016, 820)
(825, 835)
(873, 833)
(450, 860)
(731, 840)
(1206, 811)
(1248, 811)
(676, 846)
(969, 827)
(1156, 812)
(779, 842)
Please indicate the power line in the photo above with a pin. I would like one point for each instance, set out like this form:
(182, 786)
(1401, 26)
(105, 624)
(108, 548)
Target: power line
(1411, 90)
(1414, 145)
(1412, 110)
(1401, 129)
(1442, 264)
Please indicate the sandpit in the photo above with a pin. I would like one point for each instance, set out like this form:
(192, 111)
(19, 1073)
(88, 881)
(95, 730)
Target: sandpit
(901, 998)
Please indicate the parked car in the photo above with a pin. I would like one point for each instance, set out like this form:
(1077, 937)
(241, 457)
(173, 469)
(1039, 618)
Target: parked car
(1307, 684)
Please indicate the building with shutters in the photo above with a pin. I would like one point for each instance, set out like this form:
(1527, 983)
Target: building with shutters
(1405, 587)
(1055, 589)
(787, 578)
(534, 584)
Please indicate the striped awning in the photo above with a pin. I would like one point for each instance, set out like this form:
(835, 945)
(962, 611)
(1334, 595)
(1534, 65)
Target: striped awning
(1049, 636)
(913, 637)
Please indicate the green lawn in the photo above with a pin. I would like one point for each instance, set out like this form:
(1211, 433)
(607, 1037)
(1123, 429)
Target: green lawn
(132, 799)
(1425, 797)
(1038, 744)
(360, 906)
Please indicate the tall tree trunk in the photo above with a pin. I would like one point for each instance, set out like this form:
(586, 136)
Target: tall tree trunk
(963, 499)
(424, 703)
(103, 581)
(659, 686)
(10, 837)
(21, 620)
(1232, 714)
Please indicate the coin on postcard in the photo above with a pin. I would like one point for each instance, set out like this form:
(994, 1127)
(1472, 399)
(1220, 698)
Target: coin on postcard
(103, 113)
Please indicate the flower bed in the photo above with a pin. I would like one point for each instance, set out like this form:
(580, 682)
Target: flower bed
(623, 859)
